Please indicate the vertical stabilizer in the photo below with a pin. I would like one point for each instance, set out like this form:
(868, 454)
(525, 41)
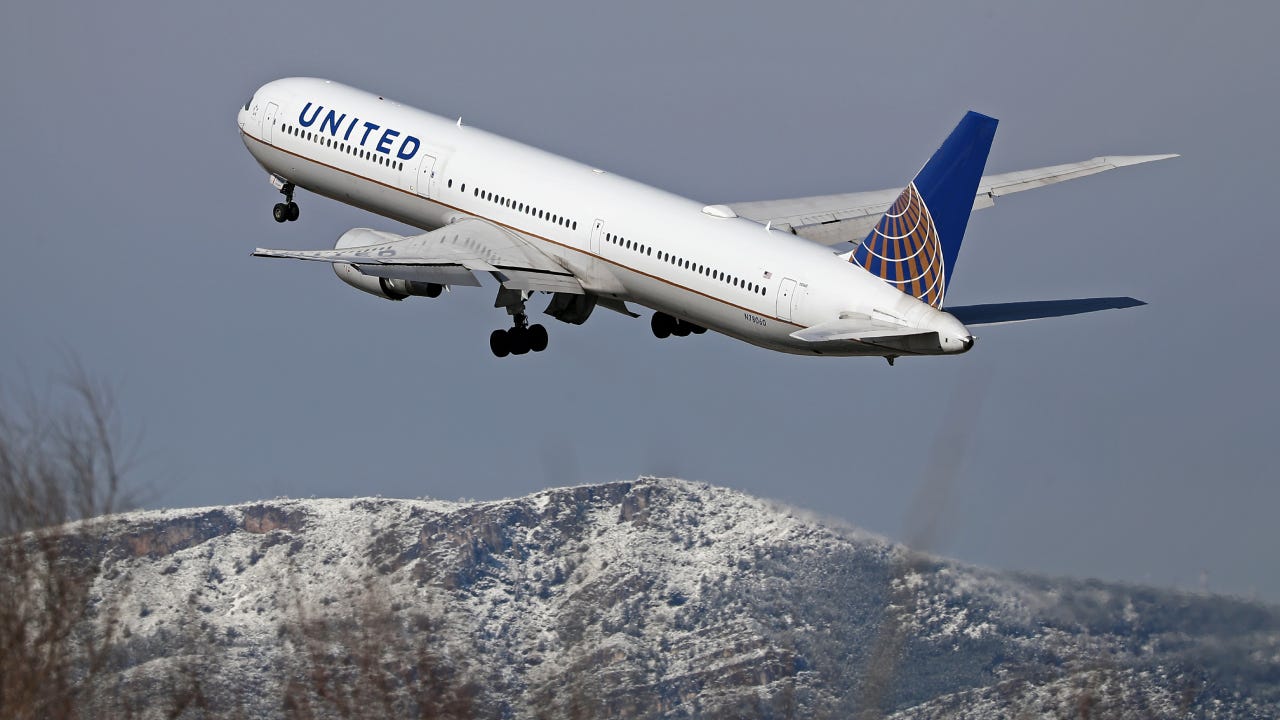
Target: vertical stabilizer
(915, 244)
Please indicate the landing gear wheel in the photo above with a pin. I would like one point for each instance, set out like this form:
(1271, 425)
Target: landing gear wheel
(696, 329)
(537, 338)
(280, 212)
(498, 343)
(292, 209)
(518, 340)
(661, 324)
(681, 328)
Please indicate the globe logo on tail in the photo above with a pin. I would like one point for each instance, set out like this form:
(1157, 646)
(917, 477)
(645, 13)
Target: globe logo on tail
(904, 249)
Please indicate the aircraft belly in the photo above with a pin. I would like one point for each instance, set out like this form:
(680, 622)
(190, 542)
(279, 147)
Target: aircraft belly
(741, 322)
(723, 315)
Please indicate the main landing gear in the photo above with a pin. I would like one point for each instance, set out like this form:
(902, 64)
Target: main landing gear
(286, 211)
(518, 340)
(522, 337)
(664, 326)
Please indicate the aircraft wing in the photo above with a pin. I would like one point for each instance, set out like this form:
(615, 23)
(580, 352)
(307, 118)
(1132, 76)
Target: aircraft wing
(833, 219)
(450, 255)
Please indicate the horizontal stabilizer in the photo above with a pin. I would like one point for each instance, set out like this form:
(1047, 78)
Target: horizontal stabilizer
(851, 327)
(868, 331)
(1002, 313)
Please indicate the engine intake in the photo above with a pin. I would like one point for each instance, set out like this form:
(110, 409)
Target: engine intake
(382, 287)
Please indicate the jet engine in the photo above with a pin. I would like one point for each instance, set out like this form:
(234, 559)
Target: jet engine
(382, 287)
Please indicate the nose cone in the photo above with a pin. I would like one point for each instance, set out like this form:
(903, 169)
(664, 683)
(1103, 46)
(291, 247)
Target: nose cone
(240, 117)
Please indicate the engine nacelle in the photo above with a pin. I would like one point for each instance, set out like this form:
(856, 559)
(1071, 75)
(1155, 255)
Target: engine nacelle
(382, 287)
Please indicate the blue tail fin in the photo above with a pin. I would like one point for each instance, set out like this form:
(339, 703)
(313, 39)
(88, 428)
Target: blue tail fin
(915, 244)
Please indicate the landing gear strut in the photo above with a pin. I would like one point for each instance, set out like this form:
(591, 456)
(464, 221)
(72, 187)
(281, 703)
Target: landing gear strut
(286, 211)
(522, 337)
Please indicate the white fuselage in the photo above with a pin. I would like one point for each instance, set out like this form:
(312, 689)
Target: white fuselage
(622, 239)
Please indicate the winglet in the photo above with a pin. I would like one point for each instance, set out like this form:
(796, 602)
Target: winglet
(915, 245)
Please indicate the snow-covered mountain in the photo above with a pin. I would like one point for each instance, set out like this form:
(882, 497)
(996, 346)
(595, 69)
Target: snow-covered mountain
(652, 598)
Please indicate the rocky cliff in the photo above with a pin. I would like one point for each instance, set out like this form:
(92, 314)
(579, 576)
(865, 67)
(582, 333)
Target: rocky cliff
(652, 598)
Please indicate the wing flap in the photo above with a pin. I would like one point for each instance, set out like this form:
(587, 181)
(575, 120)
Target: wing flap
(538, 281)
(438, 274)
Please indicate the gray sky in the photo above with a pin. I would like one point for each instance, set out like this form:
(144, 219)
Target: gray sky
(1135, 445)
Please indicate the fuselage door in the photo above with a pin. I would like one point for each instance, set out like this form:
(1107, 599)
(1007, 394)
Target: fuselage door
(597, 232)
(425, 180)
(785, 291)
(269, 123)
(797, 301)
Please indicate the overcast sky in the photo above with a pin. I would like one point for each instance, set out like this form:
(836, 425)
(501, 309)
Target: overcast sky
(1136, 445)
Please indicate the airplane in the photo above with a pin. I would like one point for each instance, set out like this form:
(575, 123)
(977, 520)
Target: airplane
(855, 274)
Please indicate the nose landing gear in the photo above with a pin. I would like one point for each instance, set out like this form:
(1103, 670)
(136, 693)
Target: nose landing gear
(286, 211)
